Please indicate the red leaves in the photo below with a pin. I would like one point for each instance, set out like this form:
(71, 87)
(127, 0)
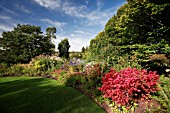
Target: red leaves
(93, 71)
(129, 85)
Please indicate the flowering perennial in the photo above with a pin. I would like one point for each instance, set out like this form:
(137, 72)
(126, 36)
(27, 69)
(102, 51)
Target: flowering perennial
(93, 70)
(129, 85)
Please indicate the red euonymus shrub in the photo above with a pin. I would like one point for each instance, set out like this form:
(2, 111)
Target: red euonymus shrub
(129, 85)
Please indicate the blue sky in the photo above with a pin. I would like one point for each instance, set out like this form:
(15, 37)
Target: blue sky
(78, 20)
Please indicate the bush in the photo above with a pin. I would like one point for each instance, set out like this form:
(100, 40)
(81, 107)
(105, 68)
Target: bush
(45, 64)
(22, 70)
(90, 79)
(39, 66)
(58, 73)
(163, 95)
(129, 85)
(3, 69)
(76, 80)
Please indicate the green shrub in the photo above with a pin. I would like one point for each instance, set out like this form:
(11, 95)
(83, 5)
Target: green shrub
(15, 70)
(39, 66)
(3, 69)
(21, 70)
(163, 96)
(45, 64)
(76, 80)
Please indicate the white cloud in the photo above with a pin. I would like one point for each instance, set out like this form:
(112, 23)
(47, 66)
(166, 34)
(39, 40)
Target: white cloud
(72, 35)
(77, 11)
(79, 31)
(8, 11)
(93, 18)
(52, 4)
(5, 27)
(53, 23)
(66, 7)
(23, 8)
(76, 42)
(3, 17)
(8, 23)
(98, 17)
(99, 4)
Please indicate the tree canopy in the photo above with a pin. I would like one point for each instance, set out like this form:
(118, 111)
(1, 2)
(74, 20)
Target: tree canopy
(63, 48)
(23, 43)
(142, 22)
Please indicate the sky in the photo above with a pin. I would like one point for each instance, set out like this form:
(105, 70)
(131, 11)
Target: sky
(78, 20)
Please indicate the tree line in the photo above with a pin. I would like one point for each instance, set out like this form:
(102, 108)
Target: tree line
(138, 22)
(25, 42)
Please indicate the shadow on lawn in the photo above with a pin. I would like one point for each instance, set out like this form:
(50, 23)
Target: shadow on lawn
(41, 95)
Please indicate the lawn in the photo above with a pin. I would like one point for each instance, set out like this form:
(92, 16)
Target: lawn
(42, 95)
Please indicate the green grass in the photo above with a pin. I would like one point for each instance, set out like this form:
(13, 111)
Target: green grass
(41, 95)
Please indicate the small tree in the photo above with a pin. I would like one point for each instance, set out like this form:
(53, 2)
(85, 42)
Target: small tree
(83, 50)
(63, 48)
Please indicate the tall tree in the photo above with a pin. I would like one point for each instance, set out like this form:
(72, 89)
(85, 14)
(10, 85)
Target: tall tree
(50, 32)
(63, 48)
(24, 43)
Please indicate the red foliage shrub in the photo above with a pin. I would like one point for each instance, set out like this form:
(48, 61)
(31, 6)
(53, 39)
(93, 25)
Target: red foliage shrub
(57, 71)
(129, 85)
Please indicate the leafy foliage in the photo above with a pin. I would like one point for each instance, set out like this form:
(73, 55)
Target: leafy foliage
(23, 43)
(129, 85)
(63, 48)
(45, 64)
(141, 22)
(39, 66)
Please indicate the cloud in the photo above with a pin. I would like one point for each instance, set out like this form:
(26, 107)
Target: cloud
(3, 17)
(66, 7)
(72, 35)
(8, 23)
(79, 31)
(76, 41)
(8, 11)
(54, 23)
(23, 8)
(92, 18)
(76, 44)
(98, 17)
(5, 27)
(99, 4)
(52, 4)
(76, 11)
(87, 2)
